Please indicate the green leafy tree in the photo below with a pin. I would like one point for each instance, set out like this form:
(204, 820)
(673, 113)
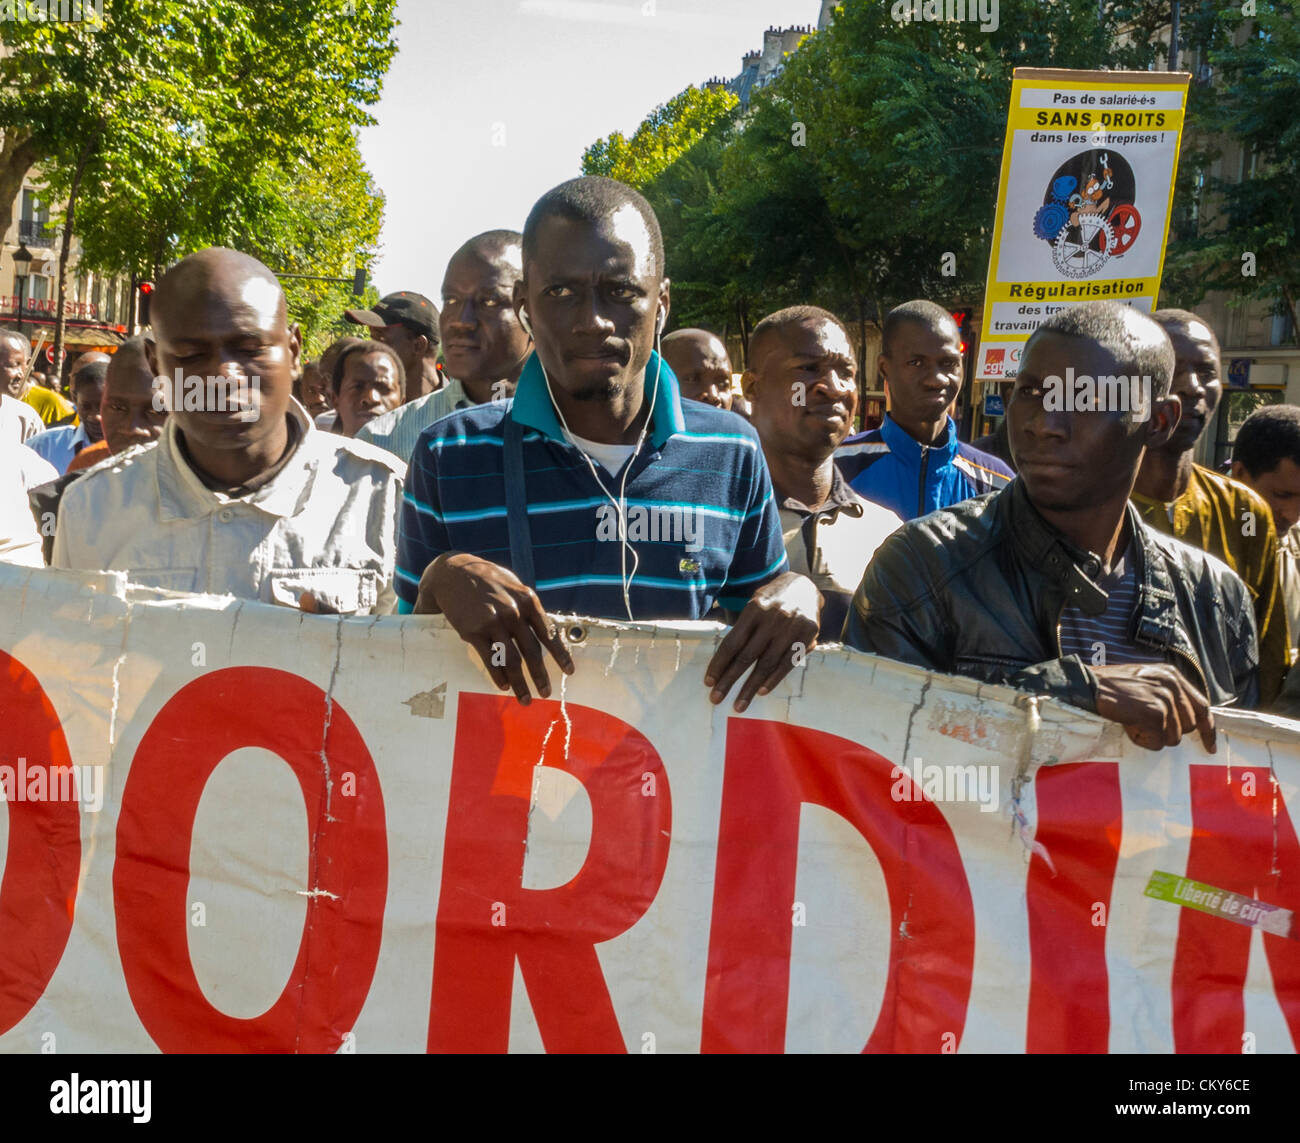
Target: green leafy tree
(664, 136)
(159, 127)
(1241, 236)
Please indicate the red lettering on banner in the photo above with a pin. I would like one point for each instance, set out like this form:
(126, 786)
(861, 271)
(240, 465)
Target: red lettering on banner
(201, 724)
(39, 889)
(772, 769)
(486, 919)
(1080, 819)
(1243, 842)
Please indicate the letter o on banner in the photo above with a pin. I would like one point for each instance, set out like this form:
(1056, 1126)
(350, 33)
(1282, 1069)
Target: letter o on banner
(201, 724)
(43, 862)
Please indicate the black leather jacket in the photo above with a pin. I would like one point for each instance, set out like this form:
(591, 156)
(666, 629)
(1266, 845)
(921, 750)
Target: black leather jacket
(978, 589)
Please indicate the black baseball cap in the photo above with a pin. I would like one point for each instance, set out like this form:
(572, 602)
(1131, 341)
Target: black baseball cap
(403, 308)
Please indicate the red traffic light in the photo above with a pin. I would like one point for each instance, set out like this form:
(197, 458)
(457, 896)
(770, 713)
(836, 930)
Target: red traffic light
(146, 288)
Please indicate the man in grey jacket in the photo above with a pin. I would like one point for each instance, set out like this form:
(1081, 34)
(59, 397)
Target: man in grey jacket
(1054, 584)
(241, 495)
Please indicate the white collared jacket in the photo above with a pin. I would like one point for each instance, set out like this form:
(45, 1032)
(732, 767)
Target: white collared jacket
(325, 524)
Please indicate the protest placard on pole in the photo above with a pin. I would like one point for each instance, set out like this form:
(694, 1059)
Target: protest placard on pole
(1084, 200)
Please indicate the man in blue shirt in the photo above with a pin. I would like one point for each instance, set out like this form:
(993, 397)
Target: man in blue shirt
(914, 463)
(61, 445)
(597, 490)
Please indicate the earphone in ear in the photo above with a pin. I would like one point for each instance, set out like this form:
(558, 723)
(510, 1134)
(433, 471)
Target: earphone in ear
(523, 321)
(660, 322)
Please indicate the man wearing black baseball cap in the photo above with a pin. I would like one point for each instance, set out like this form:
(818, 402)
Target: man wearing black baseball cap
(408, 323)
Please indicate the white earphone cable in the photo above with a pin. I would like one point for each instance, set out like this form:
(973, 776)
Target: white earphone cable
(620, 505)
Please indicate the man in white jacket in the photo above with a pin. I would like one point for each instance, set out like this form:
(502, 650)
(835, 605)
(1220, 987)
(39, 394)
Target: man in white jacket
(241, 495)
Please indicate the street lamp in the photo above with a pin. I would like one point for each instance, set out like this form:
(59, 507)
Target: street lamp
(22, 263)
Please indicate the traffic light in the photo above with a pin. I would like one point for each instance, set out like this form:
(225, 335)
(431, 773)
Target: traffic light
(962, 318)
(145, 292)
(359, 282)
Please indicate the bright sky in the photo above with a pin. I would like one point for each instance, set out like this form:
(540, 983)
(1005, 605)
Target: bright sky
(490, 103)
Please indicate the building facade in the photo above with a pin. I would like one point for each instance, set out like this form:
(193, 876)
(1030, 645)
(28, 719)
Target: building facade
(97, 307)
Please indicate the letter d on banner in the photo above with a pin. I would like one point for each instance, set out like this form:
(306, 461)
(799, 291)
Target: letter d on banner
(772, 769)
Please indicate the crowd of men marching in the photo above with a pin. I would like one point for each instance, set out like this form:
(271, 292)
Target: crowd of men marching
(541, 445)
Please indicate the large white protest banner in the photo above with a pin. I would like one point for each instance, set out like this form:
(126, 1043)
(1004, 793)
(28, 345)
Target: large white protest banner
(1084, 200)
(233, 827)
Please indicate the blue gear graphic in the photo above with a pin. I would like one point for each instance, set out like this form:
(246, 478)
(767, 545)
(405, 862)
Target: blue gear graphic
(1049, 220)
(1064, 187)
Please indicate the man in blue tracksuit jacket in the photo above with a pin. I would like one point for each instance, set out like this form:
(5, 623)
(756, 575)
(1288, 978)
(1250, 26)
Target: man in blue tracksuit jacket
(914, 463)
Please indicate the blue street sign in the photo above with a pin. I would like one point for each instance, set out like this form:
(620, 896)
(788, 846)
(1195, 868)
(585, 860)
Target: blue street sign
(1239, 373)
(993, 405)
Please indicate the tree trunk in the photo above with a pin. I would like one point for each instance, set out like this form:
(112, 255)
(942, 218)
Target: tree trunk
(1289, 296)
(65, 246)
(17, 156)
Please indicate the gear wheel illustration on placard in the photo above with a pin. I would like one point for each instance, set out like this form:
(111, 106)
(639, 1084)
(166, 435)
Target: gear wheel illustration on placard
(1088, 216)
(1080, 251)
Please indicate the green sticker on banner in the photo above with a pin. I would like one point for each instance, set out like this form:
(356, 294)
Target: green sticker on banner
(1222, 903)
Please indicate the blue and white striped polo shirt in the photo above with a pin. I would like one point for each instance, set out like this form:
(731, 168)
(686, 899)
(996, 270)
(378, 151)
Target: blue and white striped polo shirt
(700, 511)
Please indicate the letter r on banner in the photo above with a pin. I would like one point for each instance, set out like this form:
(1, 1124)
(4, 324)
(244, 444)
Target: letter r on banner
(552, 932)
(772, 769)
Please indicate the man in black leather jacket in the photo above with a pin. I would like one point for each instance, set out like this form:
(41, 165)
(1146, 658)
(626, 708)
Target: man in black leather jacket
(1054, 584)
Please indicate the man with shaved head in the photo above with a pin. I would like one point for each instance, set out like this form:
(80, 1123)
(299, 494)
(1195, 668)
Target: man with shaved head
(1210, 511)
(700, 363)
(1054, 584)
(914, 463)
(241, 494)
(484, 345)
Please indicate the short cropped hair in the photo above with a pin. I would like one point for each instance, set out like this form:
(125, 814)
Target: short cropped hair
(492, 240)
(1172, 317)
(93, 374)
(593, 199)
(782, 320)
(923, 312)
(365, 348)
(1140, 344)
(17, 338)
(1267, 437)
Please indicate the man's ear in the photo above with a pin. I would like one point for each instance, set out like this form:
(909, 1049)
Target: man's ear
(519, 298)
(422, 344)
(1240, 472)
(151, 355)
(665, 300)
(749, 384)
(1165, 415)
(295, 350)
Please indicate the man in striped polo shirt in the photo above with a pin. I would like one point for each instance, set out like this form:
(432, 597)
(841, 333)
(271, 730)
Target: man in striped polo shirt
(597, 490)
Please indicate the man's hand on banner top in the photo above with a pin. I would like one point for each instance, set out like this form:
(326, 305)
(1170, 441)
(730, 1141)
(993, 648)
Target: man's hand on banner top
(1154, 704)
(778, 625)
(498, 615)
